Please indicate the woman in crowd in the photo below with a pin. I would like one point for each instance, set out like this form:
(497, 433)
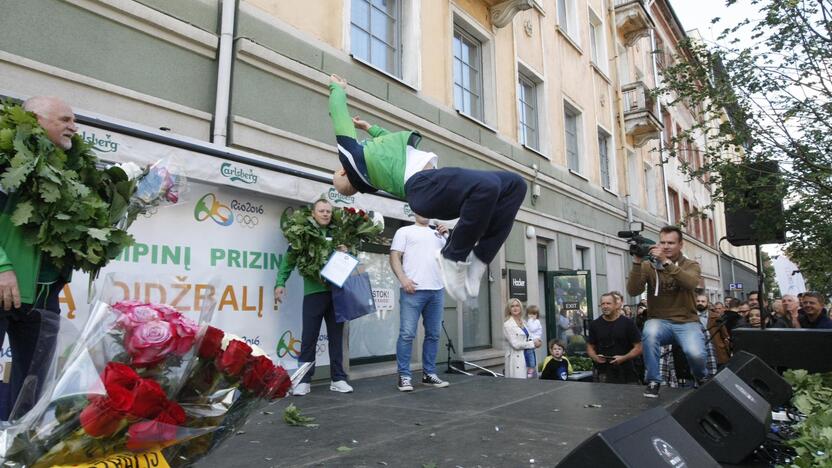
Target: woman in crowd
(518, 338)
(317, 307)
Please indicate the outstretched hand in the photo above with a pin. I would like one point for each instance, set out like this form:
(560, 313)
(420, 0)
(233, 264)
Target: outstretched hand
(333, 78)
(360, 124)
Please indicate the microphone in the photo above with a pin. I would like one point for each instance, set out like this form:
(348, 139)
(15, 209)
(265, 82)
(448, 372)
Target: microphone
(433, 226)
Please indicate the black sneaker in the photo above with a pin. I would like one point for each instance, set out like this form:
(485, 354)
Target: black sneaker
(701, 382)
(405, 384)
(433, 381)
(652, 390)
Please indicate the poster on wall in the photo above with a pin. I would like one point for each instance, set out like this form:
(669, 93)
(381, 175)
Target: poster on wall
(233, 235)
(517, 285)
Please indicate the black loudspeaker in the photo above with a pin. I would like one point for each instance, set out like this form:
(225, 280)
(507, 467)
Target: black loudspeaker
(787, 348)
(762, 378)
(651, 439)
(726, 416)
(753, 211)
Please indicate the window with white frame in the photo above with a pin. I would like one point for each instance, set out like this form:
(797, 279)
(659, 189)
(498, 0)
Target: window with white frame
(567, 19)
(529, 134)
(468, 68)
(604, 158)
(375, 33)
(572, 129)
(597, 41)
(650, 185)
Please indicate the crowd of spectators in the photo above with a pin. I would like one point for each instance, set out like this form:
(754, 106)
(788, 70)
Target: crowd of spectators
(614, 338)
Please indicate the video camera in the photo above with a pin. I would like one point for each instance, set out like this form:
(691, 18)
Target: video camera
(639, 245)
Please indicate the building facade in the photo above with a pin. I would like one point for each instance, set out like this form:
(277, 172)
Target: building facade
(557, 91)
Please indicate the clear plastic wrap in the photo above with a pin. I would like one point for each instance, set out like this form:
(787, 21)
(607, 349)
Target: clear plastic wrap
(144, 380)
(160, 184)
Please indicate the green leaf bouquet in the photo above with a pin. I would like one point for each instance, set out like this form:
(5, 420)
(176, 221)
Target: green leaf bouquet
(64, 203)
(310, 247)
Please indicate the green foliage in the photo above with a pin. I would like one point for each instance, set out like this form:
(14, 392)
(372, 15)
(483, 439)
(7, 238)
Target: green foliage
(64, 204)
(769, 100)
(770, 278)
(580, 363)
(812, 394)
(293, 417)
(310, 248)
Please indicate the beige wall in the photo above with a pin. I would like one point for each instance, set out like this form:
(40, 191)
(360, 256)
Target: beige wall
(321, 19)
(562, 62)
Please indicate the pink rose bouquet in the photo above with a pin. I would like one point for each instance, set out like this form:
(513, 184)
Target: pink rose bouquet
(144, 378)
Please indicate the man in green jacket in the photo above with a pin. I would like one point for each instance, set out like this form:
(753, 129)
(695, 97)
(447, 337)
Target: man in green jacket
(317, 307)
(486, 202)
(29, 283)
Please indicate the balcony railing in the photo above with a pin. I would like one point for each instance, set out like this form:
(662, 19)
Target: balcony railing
(640, 113)
(632, 20)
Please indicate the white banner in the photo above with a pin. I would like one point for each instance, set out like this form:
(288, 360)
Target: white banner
(228, 225)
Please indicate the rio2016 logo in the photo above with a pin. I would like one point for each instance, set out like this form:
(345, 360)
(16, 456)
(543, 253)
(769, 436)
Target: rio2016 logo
(209, 207)
(244, 213)
(288, 345)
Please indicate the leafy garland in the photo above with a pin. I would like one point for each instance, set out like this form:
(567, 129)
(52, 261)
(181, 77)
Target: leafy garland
(65, 205)
(812, 394)
(310, 247)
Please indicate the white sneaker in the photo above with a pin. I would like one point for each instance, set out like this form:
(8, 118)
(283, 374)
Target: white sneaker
(453, 276)
(340, 386)
(473, 278)
(301, 389)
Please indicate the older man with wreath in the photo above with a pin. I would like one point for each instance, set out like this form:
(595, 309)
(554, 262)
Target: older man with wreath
(29, 281)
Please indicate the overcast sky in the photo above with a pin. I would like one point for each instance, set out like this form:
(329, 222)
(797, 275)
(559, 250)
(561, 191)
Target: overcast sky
(697, 14)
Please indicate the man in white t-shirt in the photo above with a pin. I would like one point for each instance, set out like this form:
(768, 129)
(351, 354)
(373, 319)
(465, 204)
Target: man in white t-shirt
(412, 257)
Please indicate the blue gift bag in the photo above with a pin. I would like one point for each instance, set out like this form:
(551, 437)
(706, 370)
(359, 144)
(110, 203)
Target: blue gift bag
(354, 299)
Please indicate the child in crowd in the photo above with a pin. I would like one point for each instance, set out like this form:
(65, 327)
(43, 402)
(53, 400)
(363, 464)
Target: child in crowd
(535, 332)
(556, 366)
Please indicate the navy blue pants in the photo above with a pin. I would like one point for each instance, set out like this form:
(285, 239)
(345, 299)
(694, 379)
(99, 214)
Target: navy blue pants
(33, 333)
(486, 203)
(317, 307)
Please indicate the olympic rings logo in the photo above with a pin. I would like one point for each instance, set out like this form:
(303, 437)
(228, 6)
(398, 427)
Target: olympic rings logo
(209, 207)
(248, 221)
(288, 344)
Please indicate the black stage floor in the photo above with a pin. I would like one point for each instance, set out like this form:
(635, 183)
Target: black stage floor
(475, 422)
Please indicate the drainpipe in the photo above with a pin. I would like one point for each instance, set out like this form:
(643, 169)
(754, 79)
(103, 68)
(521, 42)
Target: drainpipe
(225, 59)
(622, 137)
(659, 110)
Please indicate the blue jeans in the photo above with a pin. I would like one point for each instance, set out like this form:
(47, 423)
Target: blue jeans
(531, 359)
(689, 336)
(430, 305)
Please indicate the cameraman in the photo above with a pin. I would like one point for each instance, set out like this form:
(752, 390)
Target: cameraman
(671, 306)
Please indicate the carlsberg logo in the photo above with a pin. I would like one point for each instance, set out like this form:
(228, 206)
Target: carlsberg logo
(334, 196)
(238, 174)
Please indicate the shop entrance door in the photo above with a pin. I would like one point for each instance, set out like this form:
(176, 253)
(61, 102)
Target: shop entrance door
(569, 295)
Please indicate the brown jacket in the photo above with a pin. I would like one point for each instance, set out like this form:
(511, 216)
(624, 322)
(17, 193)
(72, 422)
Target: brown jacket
(677, 283)
(720, 340)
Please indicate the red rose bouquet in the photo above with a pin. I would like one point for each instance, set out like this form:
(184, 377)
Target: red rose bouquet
(144, 379)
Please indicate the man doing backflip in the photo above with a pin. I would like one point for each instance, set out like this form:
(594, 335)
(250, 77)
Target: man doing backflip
(485, 202)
